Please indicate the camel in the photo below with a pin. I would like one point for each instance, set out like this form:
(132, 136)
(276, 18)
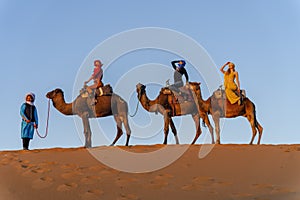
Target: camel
(107, 105)
(222, 108)
(163, 106)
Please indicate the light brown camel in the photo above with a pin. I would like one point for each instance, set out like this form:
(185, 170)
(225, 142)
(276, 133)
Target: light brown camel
(162, 105)
(222, 108)
(106, 106)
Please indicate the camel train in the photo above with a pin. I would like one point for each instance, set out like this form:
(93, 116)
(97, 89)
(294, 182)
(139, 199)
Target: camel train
(166, 103)
(97, 100)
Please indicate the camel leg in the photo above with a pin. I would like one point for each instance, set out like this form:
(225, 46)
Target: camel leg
(204, 116)
(127, 128)
(173, 128)
(119, 129)
(196, 119)
(260, 130)
(216, 118)
(166, 126)
(86, 130)
(252, 124)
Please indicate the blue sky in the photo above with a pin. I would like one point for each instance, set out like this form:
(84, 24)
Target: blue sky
(44, 43)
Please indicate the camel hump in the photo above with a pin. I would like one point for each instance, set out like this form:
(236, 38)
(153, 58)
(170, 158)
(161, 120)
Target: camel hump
(219, 94)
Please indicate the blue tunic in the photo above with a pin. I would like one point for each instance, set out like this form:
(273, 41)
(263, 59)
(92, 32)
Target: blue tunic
(27, 129)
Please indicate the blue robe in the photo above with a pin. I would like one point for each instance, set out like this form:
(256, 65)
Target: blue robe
(27, 129)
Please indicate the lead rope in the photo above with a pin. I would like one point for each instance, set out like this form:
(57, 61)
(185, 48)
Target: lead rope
(47, 122)
(136, 109)
(137, 106)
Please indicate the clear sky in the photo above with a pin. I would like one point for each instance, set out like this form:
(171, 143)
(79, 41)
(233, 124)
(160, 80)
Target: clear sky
(44, 43)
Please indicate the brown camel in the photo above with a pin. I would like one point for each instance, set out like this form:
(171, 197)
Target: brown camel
(163, 105)
(222, 108)
(106, 106)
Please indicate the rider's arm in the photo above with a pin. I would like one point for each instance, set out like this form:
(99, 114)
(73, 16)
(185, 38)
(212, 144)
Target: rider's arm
(222, 68)
(237, 80)
(22, 113)
(174, 64)
(186, 75)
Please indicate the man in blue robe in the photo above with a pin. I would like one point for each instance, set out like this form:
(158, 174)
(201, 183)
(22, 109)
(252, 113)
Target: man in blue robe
(29, 116)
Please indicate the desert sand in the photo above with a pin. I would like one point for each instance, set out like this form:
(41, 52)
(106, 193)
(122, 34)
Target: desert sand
(230, 172)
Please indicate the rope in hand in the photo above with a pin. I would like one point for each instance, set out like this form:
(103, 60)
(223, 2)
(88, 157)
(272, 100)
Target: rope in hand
(47, 122)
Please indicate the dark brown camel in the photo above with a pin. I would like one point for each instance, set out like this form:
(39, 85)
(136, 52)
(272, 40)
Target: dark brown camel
(106, 106)
(162, 105)
(220, 108)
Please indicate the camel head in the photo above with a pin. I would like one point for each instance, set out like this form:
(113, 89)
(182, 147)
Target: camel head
(140, 89)
(54, 93)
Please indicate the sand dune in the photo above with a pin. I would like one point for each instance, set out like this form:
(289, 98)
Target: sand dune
(227, 172)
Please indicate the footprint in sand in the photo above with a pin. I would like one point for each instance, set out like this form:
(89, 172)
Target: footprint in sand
(32, 169)
(67, 187)
(160, 180)
(5, 161)
(90, 180)
(124, 181)
(199, 183)
(69, 166)
(243, 195)
(43, 182)
(128, 196)
(92, 194)
(96, 168)
(40, 170)
(8, 159)
(70, 174)
(273, 189)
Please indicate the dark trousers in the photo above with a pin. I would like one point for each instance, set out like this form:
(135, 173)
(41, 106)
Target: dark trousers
(175, 87)
(25, 143)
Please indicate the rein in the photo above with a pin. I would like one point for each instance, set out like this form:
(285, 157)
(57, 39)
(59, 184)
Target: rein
(47, 122)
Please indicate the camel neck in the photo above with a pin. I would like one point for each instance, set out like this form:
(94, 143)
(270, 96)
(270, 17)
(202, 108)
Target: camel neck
(146, 102)
(63, 107)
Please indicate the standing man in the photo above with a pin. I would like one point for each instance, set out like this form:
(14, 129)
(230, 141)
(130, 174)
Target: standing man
(29, 116)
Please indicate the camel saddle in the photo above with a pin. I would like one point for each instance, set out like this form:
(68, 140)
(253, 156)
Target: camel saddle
(183, 96)
(220, 93)
(101, 91)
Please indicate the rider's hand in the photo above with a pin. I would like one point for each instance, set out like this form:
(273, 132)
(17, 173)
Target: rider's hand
(27, 121)
(35, 126)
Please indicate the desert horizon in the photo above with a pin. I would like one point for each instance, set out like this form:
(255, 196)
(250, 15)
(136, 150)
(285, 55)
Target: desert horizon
(229, 171)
